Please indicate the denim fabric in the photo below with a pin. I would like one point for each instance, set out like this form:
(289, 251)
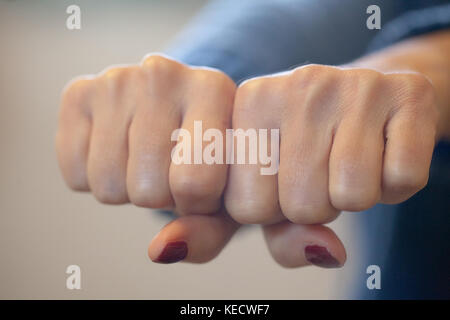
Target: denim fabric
(410, 241)
(255, 37)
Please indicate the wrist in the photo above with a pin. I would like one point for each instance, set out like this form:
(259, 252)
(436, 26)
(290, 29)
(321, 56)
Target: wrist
(428, 56)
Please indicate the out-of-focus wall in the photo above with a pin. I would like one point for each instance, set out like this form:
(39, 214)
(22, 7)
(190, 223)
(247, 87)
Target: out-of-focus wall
(44, 227)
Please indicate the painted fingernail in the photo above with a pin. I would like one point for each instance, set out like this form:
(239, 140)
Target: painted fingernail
(173, 252)
(321, 257)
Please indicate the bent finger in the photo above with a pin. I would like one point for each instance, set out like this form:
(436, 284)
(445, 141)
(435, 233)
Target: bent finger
(193, 238)
(293, 245)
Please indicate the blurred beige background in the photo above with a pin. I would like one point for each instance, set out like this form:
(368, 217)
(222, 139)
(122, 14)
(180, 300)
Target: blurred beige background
(44, 227)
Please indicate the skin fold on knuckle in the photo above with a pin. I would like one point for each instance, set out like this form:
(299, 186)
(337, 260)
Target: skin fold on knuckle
(350, 192)
(402, 183)
(192, 189)
(109, 192)
(308, 213)
(412, 94)
(250, 211)
(165, 77)
(147, 195)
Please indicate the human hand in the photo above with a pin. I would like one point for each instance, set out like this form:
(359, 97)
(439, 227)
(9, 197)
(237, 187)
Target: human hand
(114, 140)
(350, 138)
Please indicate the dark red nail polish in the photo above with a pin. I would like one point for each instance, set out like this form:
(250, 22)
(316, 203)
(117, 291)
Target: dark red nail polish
(320, 256)
(173, 252)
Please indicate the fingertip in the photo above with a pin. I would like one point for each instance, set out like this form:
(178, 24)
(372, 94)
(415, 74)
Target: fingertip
(294, 246)
(195, 239)
(172, 252)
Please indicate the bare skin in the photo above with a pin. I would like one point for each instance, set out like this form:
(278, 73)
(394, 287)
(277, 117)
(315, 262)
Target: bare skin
(351, 137)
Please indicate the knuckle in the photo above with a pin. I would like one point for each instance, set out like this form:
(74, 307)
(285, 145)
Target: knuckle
(192, 186)
(252, 96)
(107, 197)
(119, 87)
(121, 76)
(402, 181)
(352, 199)
(314, 87)
(250, 211)
(108, 192)
(160, 65)
(363, 75)
(304, 197)
(305, 76)
(142, 195)
(76, 92)
(251, 88)
(112, 72)
(212, 85)
(362, 82)
(310, 71)
(76, 182)
(76, 85)
(303, 213)
(413, 90)
(213, 78)
(417, 83)
(163, 77)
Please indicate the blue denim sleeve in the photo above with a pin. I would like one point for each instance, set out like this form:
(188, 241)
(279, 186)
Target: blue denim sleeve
(412, 23)
(245, 38)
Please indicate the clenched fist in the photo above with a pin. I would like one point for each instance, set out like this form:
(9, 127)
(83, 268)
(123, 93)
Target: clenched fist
(115, 129)
(349, 138)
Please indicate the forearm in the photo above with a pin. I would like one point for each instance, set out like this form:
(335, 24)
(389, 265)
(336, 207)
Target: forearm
(428, 55)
